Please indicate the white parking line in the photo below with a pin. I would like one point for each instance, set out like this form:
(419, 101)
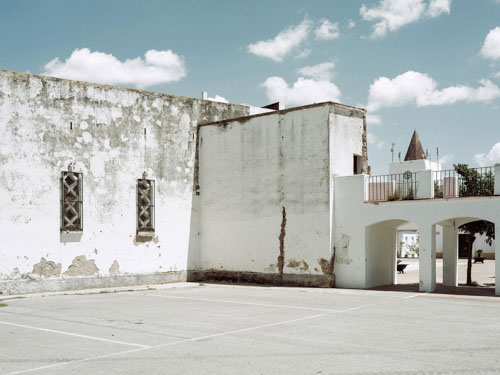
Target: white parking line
(74, 361)
(236, 302)
(171, 343)
(73, 334)
(331, 312)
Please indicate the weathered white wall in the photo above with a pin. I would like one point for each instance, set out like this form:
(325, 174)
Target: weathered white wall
(346, 133)
(253, 169)
(116, 135)
(380, 253)
(349, 232)
(249, 171)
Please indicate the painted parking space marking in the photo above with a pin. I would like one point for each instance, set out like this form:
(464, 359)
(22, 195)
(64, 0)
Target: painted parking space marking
(73, 334)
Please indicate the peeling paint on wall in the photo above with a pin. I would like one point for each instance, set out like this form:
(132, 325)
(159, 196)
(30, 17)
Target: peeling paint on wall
(115, 268)
(47, 268)
(82, 267)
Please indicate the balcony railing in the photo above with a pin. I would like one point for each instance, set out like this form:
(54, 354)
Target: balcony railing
(450, 183)
(392, 187)
(436, 184)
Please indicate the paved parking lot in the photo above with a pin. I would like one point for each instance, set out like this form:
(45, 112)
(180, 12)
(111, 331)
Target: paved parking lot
(193, 328)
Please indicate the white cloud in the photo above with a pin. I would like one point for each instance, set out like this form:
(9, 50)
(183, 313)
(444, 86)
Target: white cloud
(438, 7)
(420, 89)
(320, 72)
(491, 46)
(489, 159)
(352, 24)
(327, 30)
(304, 91)
(84, 65)
(373, 120)
(373, 140)
(445, 160)
(390, 15)
(283, 44)
(218, 98)
(303, 54)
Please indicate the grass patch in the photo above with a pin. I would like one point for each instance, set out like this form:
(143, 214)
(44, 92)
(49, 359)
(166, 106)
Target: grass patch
(3, 305)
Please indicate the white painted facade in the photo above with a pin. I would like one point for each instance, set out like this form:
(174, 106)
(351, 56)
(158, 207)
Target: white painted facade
(265, 198)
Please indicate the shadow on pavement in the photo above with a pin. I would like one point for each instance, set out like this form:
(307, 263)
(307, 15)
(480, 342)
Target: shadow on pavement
(442, 289)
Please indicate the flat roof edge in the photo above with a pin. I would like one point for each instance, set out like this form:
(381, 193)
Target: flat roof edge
(284, 111)
(102, 85)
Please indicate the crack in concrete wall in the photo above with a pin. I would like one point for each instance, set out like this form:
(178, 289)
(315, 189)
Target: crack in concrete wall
(281, 257)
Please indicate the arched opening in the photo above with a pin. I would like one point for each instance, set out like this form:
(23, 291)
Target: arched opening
(469, 253)
(429, 260)
(389, 247)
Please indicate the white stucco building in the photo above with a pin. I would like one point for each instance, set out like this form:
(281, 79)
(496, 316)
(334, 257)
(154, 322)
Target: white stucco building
(107, 186)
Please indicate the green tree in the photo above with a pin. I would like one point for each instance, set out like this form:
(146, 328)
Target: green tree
(473, 183)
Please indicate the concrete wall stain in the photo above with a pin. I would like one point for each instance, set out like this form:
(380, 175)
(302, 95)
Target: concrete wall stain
(343, 256)
(325, 266)
(300, 265)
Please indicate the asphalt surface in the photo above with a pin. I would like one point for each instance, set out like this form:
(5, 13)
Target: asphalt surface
(227, 329)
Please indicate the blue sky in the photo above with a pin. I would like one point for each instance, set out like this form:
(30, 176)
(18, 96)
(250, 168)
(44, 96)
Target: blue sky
(440, 59)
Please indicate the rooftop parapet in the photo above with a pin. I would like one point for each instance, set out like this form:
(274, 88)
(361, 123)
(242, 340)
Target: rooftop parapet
(427, 184)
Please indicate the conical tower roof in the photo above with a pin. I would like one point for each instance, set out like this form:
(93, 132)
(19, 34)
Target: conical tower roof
(415, 149)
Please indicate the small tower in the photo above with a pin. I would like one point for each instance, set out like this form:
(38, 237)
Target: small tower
(415, 149)
(415, 159)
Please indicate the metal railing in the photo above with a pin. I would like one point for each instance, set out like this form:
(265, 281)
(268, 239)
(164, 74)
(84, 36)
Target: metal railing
(477, 182)
(392, 187)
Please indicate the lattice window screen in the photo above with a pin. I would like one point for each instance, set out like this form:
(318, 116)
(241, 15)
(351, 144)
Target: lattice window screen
(71, 201)
(145, 205)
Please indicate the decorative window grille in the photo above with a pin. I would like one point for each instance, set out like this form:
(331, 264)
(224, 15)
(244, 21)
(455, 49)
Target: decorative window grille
(71, 201)
(145, 206)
